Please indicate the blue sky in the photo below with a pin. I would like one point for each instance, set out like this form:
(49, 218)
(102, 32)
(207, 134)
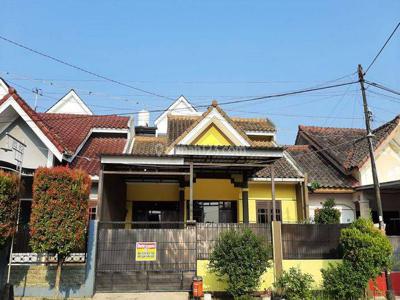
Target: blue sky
(207, 50)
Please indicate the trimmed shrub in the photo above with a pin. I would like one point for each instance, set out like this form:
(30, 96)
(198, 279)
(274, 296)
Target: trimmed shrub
(295, 285)
(342, 282)
(9, 183)
(367, 252)
(240, 257)
(59, 212)
(328, 214)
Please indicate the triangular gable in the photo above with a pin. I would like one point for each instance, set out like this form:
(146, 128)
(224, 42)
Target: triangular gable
(181, 106)
(214, 116)
(13, 105)
(212, 136)
(71, 103)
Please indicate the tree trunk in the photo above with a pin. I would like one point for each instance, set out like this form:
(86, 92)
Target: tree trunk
(60, 262)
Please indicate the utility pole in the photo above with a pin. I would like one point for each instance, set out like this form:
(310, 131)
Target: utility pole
(37, 92)
(370, 136)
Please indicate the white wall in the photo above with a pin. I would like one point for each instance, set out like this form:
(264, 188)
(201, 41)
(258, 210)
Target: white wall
(344, 203)
(35, 153)
(387, 164)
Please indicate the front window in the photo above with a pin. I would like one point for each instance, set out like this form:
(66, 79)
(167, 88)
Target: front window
(265, 211)
(214, 211)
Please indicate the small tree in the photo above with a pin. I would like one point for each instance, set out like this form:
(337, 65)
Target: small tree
(240, 257)
(59, 212)
(366, 254)
(295, 285)
(9, 184)
(328, 214)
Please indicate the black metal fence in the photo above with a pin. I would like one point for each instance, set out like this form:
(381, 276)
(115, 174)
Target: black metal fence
(311, 241)
(395, 241)
(207, 235)
(178, 247)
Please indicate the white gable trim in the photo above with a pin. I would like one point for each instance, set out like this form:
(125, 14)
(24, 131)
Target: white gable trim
(215, 117)
(64, 100)
(3, 88)
(11, 102)
(181, 99)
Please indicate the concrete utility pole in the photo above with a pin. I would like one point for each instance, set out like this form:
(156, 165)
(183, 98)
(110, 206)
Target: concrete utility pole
(37, 92)
(370, 136)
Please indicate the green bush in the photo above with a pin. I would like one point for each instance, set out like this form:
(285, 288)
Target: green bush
(342, 282)
(328, 214)
(240, 257)
(366, 254)
(295, 285)
(8, 205)
(366, 248)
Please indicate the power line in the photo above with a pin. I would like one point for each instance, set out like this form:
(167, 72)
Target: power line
(383, 47)
(382, 87)
(288, 93)
(82, 69)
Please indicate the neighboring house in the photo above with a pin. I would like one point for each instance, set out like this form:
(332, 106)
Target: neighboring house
(143, 173)
(55, 138)
(341, 167)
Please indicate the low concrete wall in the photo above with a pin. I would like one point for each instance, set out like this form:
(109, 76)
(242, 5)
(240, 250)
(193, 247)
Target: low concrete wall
(77, 280)
(312, 266)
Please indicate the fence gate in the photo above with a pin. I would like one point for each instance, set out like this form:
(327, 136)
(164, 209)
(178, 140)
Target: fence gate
(140, 257)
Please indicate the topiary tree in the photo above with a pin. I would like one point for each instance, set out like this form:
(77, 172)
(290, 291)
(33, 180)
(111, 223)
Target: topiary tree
(367, 252)
(328, 214)
(59, 212)
(9, 183)
(295, 285)
(240, 257)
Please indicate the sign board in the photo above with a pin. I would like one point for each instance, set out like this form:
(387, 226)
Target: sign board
(146, 251)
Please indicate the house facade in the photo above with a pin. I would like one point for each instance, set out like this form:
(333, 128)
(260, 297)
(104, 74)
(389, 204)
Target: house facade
(337, 161)
(201, 166)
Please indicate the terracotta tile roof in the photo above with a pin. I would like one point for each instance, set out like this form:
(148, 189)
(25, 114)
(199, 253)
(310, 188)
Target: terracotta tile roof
(71, 130)
(213, 106)
(149, 146)
(177, 125)
(318, 168)
(282, 169)
(254, 124)
(67, 131)
(346, 146)
(88, 157)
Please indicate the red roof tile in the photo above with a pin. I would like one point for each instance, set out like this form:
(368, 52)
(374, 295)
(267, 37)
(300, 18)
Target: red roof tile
(88, 157)
(318, 168)
(71, 130)
(347, 146)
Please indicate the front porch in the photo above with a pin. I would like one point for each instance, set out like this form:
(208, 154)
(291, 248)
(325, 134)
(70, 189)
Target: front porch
(223, 191)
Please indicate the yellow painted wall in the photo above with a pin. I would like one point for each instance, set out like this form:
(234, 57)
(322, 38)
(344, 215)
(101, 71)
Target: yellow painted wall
(219, 190)
(213, 189)
(286, 193)
(311, 266)
(212, 136)
(212, 284)
(146, 191)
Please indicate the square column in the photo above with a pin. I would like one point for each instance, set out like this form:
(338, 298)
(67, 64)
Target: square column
(245, 200)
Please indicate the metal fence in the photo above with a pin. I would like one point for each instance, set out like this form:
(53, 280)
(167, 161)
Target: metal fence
(395, 241)
(208, 234)
(178, 247)
(311, 241)
(23, 253)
